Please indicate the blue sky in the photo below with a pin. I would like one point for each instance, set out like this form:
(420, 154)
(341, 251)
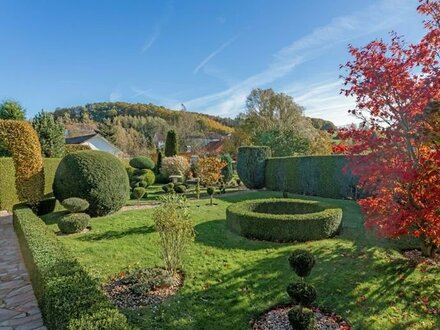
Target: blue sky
(205, 54)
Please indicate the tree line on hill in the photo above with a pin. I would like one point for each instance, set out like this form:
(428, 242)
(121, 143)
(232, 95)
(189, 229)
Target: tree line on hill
(270, 118)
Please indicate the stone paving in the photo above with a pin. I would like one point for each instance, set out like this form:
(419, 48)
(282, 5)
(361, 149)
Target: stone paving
(18, 305)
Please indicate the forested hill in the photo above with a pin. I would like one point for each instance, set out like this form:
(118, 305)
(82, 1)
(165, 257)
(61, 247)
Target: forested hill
(107, 111)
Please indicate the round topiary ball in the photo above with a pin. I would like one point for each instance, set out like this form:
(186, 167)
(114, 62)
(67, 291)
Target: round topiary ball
(301, 319)
(142, 162)
(302, 262)
(96, 176)
(302, 293)
(210, 191)
(75, 204)
(74, 223)
(180, 189)
(138, 193)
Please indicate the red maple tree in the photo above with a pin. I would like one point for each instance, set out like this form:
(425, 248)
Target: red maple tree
(394, 151)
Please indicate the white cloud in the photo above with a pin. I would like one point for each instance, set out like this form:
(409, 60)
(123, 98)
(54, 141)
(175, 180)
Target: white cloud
(381, 16)
(115, 96)
(214, 53)
(151, 40)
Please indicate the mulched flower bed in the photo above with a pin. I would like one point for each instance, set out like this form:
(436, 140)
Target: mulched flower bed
(415, 258)
(125, 294)
(276, 319)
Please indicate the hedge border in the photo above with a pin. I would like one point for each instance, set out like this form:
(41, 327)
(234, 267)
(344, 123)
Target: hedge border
(312, 175)
(243, 220)
(68, 297)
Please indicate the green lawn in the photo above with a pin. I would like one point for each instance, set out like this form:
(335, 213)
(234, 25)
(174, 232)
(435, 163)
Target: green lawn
(230, 280)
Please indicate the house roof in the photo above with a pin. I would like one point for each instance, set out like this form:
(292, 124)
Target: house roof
(80, 139)
(214, 147)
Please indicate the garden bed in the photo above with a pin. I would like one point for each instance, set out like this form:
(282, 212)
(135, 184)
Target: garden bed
(277, 319)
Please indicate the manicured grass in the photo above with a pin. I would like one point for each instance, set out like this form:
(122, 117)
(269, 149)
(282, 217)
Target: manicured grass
(230, 280)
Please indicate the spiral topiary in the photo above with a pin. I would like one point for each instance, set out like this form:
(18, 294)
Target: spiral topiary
(96, 176)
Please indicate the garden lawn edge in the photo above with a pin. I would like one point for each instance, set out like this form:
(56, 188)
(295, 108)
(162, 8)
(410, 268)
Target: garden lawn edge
(68, 297)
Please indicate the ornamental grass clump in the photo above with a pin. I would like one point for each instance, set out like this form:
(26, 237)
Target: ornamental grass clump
(176, 230)
(301, 293)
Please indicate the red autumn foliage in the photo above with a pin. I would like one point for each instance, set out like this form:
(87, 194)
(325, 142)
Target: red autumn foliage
(339, 148)
(395, 85)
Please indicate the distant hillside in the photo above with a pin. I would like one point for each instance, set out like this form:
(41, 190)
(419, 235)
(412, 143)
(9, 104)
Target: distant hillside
(100, 112)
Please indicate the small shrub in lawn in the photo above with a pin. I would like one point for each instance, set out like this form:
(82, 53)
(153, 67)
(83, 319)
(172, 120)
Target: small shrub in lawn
(176, 230)
(138, 193)
(180, 189)
(301, 318)
(75, 204)
(144, 280)
(73, 223)
(143, 184)
(301, 293)
(210, 191)
(302, 262)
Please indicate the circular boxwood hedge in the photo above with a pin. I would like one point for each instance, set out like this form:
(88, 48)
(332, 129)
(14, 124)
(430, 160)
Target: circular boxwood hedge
(96, 176)
(284, 220)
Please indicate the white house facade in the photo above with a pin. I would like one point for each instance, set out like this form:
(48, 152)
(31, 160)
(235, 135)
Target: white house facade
(95, 142)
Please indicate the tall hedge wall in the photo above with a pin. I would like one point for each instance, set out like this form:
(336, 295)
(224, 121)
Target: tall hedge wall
(311, 175)
(8, 193)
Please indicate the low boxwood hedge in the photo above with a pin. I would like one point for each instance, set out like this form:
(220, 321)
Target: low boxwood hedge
(68, 297)
(284, 220)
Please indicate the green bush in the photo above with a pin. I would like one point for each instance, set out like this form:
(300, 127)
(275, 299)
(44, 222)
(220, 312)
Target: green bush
(46, 205)
(302, 293)
(166, 188)
(68, 297)
(176, 230)
(171, 144)
(301, 318)
(69, 148)
(143, 184)
(96, 176)
(251, 165)
(138, 193)
(228, 170)
(302, 262)
(284, 220)
(210, 191)
(180, 189)
(149, 177)
(8, 192)
(142, 162)
(75, 204)
(73, 223)
(311, 175)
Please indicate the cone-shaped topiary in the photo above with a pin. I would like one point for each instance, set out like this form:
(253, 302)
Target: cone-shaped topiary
(171, 144)
(302, 262)
(96, 176)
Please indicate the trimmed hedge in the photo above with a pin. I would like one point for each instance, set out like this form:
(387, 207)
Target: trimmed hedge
(23, 143)
(311, 175)
(96, 176)
(68, 297)
(8, 193)
(251, 165)
(284, 220)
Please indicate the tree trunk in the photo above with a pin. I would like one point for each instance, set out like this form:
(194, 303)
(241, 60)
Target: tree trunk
(428, 248)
